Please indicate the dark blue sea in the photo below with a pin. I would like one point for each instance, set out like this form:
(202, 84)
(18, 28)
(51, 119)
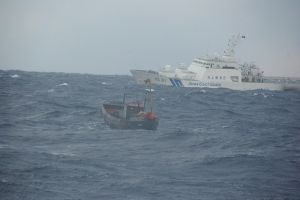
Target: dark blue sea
(210, 143)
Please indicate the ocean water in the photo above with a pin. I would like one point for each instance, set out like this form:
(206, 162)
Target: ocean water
(210, 143)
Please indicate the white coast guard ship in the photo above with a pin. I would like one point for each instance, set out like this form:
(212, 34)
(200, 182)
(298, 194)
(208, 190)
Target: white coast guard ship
(211, 72)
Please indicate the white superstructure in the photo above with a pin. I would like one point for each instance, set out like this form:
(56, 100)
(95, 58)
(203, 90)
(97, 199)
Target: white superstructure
(213, 72)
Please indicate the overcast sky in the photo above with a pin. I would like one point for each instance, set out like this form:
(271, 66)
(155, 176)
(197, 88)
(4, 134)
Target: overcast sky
(113, 36)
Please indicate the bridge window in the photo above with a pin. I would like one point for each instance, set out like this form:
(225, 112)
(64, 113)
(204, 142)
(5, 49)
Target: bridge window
(216, 77)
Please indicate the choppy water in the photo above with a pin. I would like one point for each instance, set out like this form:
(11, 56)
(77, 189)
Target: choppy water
(210, 144)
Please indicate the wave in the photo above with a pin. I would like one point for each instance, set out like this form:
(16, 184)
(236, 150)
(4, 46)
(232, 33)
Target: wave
(15, 76)
(283, 110)
(6, 125)
(62, 84)
(231, 160)
(62, 154)
(37, 168)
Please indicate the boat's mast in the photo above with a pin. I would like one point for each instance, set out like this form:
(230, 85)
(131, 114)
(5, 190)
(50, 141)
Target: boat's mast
(232, 43)
(124, 106)
(124, 96)
(150, 96)
(148, 81)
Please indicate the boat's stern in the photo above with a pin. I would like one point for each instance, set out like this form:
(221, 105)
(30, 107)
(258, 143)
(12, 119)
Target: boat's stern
(151, 121)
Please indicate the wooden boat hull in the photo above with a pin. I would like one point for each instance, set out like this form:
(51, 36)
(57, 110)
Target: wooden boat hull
(121, 123)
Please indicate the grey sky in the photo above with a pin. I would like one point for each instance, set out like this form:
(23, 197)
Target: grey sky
(113, 36)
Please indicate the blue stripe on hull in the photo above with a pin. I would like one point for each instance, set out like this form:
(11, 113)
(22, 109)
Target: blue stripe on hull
(173, 83)
(176, 82)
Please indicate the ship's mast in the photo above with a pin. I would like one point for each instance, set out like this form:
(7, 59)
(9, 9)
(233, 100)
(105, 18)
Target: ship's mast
(232, 43)
(148, 81)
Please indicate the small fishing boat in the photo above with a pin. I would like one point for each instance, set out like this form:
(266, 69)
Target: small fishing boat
(131, 115)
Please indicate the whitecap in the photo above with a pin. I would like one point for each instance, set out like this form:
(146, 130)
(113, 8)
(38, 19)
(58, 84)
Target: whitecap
(162, 99)
(150, 90)
(203, 91)
(51, 90)
(15, 76)
(62, 84)
(260, 94)
(105, 83)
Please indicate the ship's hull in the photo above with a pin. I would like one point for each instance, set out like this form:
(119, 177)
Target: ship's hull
(234, 86)
(141, 75)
